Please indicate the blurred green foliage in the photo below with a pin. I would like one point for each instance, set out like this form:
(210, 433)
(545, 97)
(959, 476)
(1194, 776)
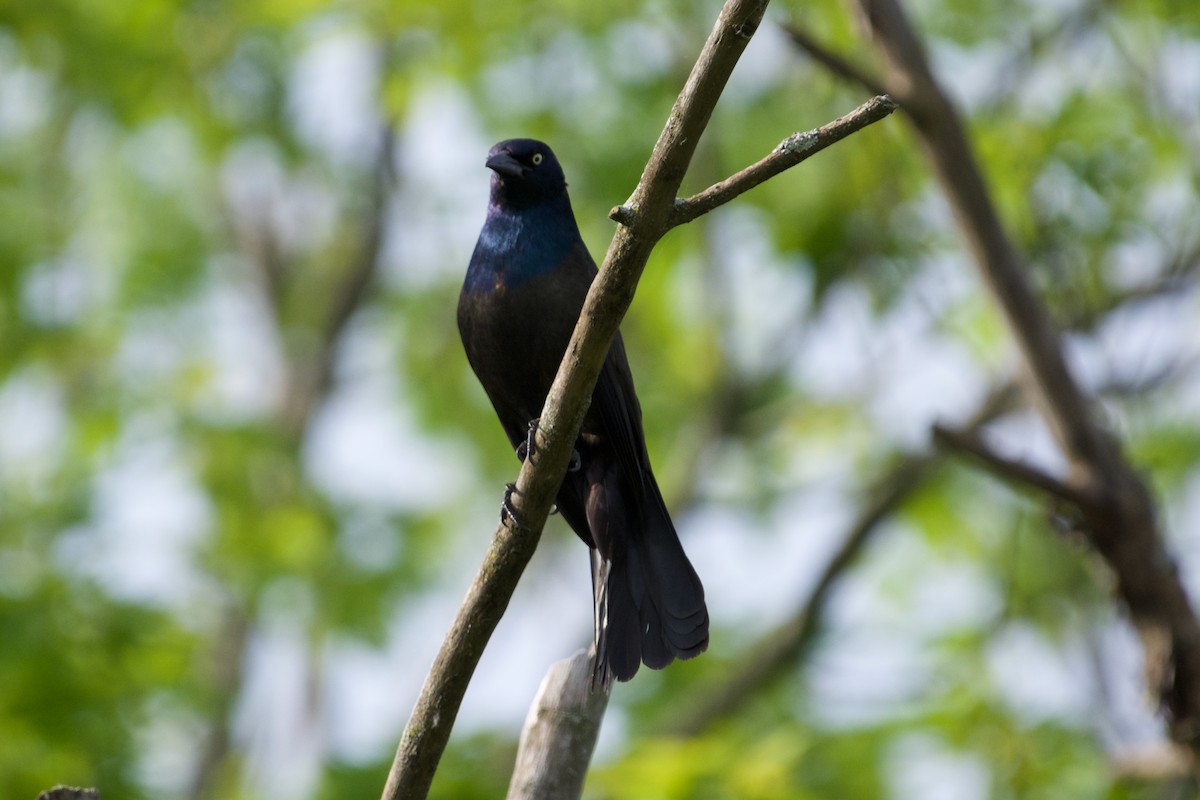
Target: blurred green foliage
(124, 130)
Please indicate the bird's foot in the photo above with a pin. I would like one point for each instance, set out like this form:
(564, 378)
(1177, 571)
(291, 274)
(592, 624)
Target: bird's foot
(528, 447)
(507, 509)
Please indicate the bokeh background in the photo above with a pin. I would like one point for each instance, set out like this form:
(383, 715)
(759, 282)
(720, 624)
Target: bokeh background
(246, 475)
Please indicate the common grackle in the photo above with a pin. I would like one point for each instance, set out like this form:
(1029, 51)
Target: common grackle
(523, 293)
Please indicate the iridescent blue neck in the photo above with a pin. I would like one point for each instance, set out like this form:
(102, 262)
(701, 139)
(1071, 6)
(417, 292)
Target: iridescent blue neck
(517, 246)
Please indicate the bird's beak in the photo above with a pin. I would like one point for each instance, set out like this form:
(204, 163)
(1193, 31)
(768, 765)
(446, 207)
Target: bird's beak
(505, 164)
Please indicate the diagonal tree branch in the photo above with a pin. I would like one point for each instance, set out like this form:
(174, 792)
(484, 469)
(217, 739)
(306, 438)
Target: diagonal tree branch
(1120, 520)
(428, 729)
(971, 443)
(937, 121)
(768, 660)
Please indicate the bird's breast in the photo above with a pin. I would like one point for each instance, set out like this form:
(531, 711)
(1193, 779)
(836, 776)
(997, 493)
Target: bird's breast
(515, 248)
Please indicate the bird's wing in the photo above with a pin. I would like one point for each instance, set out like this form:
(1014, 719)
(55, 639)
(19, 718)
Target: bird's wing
(616, 403)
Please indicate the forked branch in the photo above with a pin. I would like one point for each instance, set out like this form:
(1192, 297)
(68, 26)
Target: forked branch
(428, 729)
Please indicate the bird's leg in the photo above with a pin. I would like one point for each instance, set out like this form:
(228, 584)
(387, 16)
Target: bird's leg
(529, 446)
(506, 507)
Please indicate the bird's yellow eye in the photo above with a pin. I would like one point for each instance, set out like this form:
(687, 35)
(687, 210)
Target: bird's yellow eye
(537, 159)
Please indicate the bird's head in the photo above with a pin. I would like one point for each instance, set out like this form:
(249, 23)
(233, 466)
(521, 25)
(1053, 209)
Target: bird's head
(525, 173)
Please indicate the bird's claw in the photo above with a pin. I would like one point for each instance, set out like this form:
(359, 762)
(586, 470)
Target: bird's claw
(529, 446)
(507, 509)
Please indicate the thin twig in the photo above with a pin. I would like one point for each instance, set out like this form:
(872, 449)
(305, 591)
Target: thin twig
(837, 64)
(791, 151)
(1020, 472)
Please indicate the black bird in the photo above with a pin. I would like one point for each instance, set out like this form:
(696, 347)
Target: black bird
(522, 295)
